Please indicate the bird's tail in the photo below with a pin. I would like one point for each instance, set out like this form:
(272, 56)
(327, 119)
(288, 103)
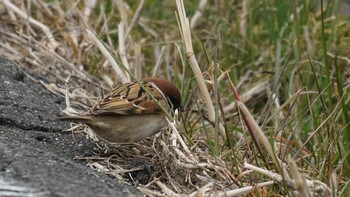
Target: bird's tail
(74, 115)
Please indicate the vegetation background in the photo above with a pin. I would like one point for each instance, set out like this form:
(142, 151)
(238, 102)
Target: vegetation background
(276, 72)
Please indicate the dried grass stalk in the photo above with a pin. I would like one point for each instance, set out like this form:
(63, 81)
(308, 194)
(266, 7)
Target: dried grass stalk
(198, 13)
(245, 190)
(255, 129)
(137, 61)
(186, 36)
(53, 44)
(89, 5)
(121, 75)
(122, 49)
(300, 183)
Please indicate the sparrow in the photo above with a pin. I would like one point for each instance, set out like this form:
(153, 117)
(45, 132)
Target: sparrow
(129, 113)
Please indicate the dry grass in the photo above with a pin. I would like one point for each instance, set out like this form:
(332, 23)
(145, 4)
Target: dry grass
(224, 143)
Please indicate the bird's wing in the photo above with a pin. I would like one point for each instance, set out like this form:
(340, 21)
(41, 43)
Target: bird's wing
(130, 99)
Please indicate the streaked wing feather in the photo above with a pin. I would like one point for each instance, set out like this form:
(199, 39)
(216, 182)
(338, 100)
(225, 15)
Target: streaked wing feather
(129, 99)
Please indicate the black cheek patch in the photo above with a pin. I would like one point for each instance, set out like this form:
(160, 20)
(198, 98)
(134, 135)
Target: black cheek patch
(176, 102)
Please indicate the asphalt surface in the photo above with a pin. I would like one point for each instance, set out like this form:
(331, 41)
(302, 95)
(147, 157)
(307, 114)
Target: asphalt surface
(36, 157)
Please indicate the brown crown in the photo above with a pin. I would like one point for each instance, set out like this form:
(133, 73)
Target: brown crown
(169, 90)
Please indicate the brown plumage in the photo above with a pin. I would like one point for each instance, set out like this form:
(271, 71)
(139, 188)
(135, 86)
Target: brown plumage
(128, 113)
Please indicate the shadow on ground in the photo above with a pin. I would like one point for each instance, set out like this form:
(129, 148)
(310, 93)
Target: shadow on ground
(36, 157)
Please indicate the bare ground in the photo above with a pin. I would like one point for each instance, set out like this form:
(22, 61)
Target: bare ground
(36, 157)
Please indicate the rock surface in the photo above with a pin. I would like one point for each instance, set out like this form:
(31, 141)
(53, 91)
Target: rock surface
(36, 157)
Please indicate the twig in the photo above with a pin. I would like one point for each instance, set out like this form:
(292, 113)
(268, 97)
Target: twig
(203, 190)
(166, 190)
(245, 190)
(150, 192)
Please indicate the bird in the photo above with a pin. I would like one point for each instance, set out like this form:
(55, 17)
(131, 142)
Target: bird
(129, 113)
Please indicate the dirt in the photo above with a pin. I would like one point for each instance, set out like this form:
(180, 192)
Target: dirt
(36, 157)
